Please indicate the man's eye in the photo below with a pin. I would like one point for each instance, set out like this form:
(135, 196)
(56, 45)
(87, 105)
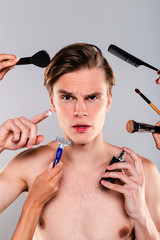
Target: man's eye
(66, 98)
(92, 98)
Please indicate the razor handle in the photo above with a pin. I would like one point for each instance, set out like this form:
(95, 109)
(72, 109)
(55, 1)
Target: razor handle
(114, 160)
(58, 156)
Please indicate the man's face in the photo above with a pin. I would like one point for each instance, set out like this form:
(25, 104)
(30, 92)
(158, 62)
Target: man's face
(81, 101)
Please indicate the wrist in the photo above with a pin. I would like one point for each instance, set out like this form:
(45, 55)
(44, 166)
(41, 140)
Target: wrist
(32, 207)
(145, 227)
(142, 216)
(27, 221)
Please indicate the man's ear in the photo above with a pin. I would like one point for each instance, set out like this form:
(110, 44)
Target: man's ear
(109, 102)
(52, 105)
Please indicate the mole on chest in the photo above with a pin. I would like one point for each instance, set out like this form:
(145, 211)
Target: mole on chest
(123, 232)
(41, 223)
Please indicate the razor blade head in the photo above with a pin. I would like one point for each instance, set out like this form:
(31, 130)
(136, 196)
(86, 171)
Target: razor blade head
(63, 141)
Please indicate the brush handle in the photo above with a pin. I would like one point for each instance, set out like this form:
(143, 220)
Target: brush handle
(24, 61)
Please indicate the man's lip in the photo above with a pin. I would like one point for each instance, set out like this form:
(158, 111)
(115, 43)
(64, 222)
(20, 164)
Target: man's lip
(81, 125)
(81, 128)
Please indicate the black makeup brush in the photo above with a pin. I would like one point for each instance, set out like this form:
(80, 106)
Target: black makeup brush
(132, 126)
(40, 59)
(127, 57)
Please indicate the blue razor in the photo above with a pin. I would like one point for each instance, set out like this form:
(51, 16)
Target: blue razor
(62, 143)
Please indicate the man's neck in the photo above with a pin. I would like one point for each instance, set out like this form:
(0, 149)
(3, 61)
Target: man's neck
(84, 156)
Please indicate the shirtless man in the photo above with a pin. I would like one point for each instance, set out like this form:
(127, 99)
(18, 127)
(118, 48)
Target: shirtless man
(79, 81)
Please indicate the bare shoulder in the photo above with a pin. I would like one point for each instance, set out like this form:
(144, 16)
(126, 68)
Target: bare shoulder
(152, 189)
(112, 150)
(36, 158)
(152, 176)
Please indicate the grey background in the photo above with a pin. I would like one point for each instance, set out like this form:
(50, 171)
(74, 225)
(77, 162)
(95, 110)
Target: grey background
(30, 26)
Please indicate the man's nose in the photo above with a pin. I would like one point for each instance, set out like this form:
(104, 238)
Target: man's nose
(80, 109)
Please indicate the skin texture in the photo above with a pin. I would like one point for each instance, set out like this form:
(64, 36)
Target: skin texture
(7, 62)
(77, 206)
(21, 132)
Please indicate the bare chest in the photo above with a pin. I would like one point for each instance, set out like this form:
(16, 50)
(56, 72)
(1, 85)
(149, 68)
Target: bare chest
(83, 209)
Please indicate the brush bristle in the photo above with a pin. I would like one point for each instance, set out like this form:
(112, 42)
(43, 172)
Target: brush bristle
(137, 91)
(40, 59)
(132, 126)
(129, 126)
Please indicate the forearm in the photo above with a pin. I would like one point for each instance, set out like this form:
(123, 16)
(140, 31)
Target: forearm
(27, 223)
(145, 228)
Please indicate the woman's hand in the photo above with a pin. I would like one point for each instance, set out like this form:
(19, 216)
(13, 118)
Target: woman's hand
(133, 188)
(21, 132)
(7, 62)
(156, 137)
(45, 186)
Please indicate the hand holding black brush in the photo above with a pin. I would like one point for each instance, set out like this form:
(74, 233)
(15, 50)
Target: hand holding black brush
(8, 61)
(133, 126)
(39, 59)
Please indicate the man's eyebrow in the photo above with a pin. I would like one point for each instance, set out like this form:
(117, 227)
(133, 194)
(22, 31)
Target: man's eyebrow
(94, 94)
(61, 91)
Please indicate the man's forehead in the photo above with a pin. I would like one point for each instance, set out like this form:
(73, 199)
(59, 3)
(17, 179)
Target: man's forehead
(84, 93)
(84, 81)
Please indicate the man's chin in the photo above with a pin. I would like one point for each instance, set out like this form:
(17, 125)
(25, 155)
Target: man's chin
(81, 142)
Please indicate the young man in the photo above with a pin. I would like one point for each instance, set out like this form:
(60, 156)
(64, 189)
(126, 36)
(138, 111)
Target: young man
(72, 204)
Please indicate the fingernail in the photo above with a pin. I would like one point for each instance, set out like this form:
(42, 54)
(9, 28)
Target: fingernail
(103, 182)
(29, 146)
(16, 59)
(48, 113)
(50, 166)
(157, 81)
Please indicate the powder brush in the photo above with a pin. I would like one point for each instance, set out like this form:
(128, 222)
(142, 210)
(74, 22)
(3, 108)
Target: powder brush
(39, 59)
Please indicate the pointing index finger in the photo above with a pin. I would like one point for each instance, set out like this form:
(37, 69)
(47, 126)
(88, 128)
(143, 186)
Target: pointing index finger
(38, 118)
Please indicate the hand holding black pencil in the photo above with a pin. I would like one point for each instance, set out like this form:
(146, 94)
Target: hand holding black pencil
(148, 101)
